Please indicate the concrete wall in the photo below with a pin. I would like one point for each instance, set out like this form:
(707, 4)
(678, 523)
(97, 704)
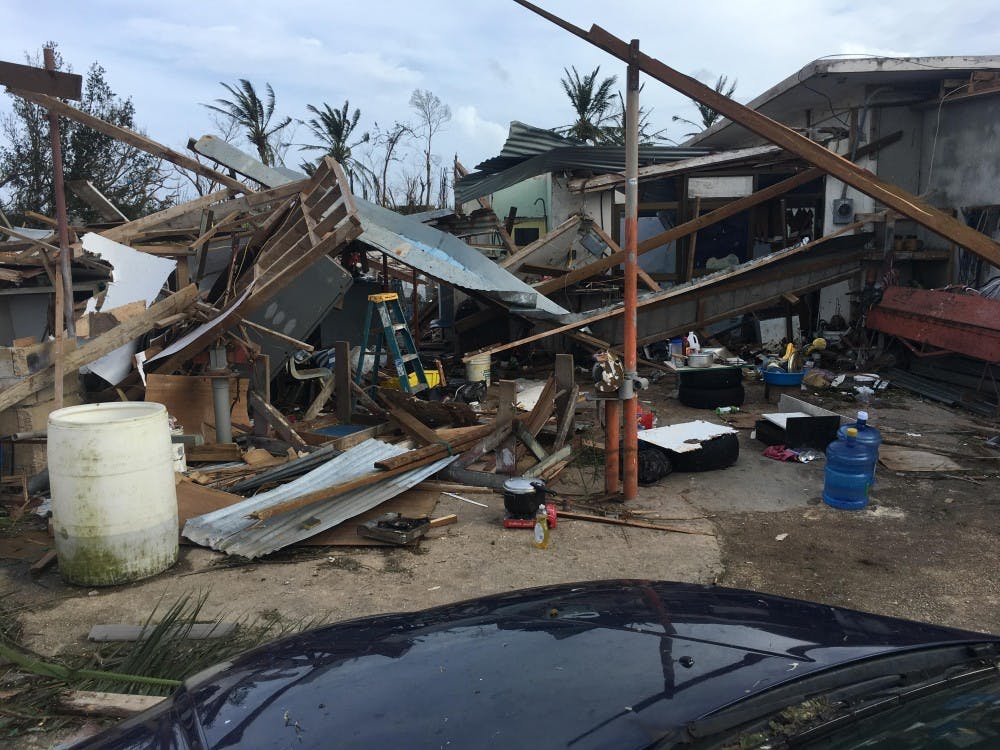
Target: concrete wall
(963, 167)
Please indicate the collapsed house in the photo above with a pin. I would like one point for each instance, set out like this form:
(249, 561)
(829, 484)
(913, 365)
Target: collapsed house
(253, 296)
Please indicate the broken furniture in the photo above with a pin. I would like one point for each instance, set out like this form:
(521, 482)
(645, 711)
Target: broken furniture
(798, 424)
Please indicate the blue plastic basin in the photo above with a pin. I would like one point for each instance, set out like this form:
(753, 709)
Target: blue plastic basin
(780, 377)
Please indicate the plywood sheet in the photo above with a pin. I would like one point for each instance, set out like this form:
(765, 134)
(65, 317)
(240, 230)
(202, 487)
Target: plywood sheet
(904, 459)
(188, 399)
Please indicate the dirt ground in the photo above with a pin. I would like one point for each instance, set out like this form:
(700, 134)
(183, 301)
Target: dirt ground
(928, 546)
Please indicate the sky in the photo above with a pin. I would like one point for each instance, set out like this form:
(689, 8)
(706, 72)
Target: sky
(491, 61)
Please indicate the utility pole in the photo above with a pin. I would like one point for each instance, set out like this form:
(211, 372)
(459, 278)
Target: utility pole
(630, 464)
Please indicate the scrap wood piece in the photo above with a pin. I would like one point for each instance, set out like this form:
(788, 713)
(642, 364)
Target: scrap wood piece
(529, 440)
(98, 347)
(890, 195)
(543, 408)
(451, 448)
(566, 420)
(213, 453)
(429, 413)
(263, 410)
(189, 399)
(194, 500)
(115, 705)
(448, 520)
(132, 138)
(572, 515)
(94, 198)
(413, 427)
(895, 458)
(542, 466)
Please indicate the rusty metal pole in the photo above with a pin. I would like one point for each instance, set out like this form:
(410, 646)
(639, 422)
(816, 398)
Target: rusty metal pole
(630, 464)
(60, 197)
(612, 414)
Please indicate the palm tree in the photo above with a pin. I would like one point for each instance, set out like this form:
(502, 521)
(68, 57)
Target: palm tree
(708, 115)
(253, 114)
(591, 103)
(613, 133)
(333, 129)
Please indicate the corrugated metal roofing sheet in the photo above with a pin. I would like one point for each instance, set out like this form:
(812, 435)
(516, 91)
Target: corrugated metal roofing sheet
(230, 530)
(531, 151)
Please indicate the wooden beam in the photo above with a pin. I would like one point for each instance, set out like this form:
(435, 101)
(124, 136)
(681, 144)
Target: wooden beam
(616, 248)
(413, 427)
(843, 169)
(124, 233)
(96, 200)
(132, 138)
(658, 171)
(513, 261)
(103, 344)
(624, 522)
(661, 297)
(342, 380)
(41, 81)
(682, 230)
(263, 410)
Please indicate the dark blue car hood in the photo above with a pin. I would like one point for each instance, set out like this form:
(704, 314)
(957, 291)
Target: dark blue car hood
(614, 664)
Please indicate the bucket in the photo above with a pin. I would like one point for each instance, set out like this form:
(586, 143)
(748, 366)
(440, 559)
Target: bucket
(114, 502)
(478, 368)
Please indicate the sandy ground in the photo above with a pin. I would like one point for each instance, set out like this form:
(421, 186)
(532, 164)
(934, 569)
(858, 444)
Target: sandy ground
(927, 548)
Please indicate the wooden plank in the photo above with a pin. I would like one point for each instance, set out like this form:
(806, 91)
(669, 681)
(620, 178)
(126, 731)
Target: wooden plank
(529, 440)
(320, 401)
(41, 81)
(448, 520)
(567, 417)
(623, 522)
(684, 166)
(843, 169)
(542, 466)
(513, 262)
(96, 200)
(263, 410)
(505, 452)
(213, 453)
(616, 248)
(103, 344)
(692, 243)
(116, 705)
(43, 562)
(132, 138)
(189, 399)
(127, 232)
(413, 427)
(342, 380)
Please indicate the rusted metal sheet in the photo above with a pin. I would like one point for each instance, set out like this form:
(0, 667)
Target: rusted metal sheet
(960, 323)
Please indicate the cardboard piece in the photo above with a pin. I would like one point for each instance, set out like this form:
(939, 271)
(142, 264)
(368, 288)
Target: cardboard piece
(895, 458)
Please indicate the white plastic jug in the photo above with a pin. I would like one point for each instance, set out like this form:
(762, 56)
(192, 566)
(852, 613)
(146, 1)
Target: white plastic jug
(693, 345)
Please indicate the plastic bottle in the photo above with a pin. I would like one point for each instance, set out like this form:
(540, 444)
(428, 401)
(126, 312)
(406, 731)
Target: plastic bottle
(868, 436)
(846, 477)
(692, 341)
(542, 527)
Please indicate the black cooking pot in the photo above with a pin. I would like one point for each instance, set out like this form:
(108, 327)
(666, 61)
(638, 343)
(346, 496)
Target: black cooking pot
(522, 496)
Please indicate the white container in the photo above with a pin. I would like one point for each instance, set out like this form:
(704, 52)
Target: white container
(478, 368)
(114, 502)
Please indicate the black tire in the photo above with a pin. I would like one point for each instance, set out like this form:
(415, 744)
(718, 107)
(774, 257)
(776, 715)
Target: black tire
(711, 398)
(727, 377)
(654, 463)
(715, 453)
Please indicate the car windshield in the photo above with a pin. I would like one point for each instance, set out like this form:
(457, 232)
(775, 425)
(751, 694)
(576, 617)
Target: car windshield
(962, 713)
(966, 717)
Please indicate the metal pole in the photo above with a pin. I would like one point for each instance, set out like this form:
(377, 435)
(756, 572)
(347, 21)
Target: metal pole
(630, 465)
(60, 198)
(218, 366)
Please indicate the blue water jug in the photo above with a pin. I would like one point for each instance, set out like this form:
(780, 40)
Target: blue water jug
(868, 436)
(847, 473)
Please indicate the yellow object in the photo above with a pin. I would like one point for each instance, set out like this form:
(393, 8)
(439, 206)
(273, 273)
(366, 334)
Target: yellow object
(789, 351)
(433, 379)
(852, 432)
(542, 527)
(817, 345)
(384, 297)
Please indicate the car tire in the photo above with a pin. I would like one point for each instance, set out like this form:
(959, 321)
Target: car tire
(711, 398)
(727, 377)
(654, 463)
(715, 453)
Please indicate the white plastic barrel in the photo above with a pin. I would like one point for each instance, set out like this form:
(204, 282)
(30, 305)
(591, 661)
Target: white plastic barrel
(114, 502)
(478, 368)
